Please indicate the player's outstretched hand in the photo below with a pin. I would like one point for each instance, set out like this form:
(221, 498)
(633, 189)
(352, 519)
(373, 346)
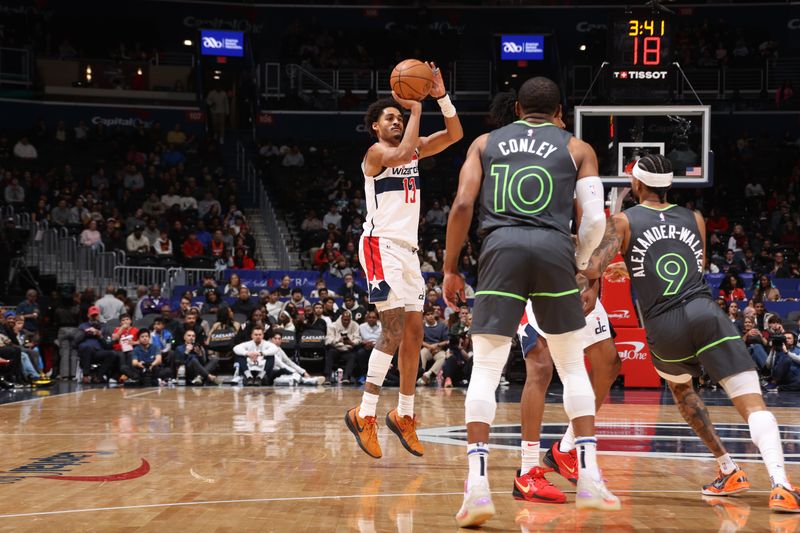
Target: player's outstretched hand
(589, 296)
(408, 104)
(453, 290)
(437, 89)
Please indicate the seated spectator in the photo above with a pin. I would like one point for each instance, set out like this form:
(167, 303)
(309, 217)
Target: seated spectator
(293, 158)
(217, 247)
(28, 310)
(351, 288)
(256, 319)
(14, 193)
(162, 339)
(92, 348)
(198, 366)
(436, 218)
(287, 371)
(786, 368)
(241, 260)
(233, 286)
(284, 290)
(757, 345)
(244, 305)
(329, 308)
(457, 368)
(297, 299)
(147, 363)
(311, 224)
(779, 267)
(332, 217)
(59, 215)
(171, 197)
(188, 202)
(25, 150)
(193, 323)
(151, 232)
(730, 289)
(273, 306)
(341, 268)
(205, 205)
(716, 222)
(176, 137)
(436, 338)
(357, 311)
(733, 315)
(765, 291)
(343, 340)
(153, 303)
(137, 243)
(192, 247)
(318, 286)
(163, 245)
(153, 206)
(256, 358)
(317, 321)
(172, 157)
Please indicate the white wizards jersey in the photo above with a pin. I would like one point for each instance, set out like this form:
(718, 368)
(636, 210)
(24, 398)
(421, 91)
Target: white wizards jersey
(393, 198)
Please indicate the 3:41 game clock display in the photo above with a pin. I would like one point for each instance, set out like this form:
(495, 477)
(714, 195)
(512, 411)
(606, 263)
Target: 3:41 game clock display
(640, 46)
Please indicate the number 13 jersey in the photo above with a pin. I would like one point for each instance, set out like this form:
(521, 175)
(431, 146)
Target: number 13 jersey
(664, 258)
(392, 199)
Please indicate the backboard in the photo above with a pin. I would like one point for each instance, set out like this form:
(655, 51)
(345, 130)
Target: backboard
(622, 134)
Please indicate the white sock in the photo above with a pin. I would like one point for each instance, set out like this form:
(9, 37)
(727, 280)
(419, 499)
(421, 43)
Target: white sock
(726, 464)
(765, 435)
(405, 522)
(530, 455)
(369, 402)
(567, 443)
(405, 405)
(478, 458)
(587, 457)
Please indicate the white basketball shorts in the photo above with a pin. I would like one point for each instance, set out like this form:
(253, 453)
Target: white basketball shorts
(597, 328)
(393, 275)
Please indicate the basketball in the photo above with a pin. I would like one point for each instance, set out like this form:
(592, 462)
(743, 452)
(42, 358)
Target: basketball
(411, 79)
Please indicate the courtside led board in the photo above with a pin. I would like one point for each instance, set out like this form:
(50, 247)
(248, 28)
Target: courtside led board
(620, 135)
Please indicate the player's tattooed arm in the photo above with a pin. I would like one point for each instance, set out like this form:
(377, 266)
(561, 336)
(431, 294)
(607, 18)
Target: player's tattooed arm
(694, 411)
(608, 248)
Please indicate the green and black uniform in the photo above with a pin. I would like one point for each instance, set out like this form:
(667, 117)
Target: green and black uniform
(526, 204)
(684, 326)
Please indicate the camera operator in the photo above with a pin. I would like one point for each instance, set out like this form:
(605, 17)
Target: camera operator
(757, 345)
(776, 337)
(786, 370)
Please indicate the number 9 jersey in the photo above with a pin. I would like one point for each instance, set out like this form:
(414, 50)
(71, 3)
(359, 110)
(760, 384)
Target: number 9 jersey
(393, 199)
(664, 258)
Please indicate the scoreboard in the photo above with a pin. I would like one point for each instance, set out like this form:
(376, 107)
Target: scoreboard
(641, 45)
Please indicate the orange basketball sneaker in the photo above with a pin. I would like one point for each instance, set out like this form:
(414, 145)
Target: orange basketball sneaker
(725, 485)
(405, 429)
(783, 500)
(366, 432)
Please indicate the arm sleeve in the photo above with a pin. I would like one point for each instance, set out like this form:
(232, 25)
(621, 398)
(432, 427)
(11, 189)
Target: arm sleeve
(589, 192)
(241, 349)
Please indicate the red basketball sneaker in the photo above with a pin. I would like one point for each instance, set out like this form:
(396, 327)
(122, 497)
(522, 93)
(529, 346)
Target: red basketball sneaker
(532, 486)
(562, 463)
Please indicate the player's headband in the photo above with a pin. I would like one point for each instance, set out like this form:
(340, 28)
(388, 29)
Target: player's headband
(651, 179)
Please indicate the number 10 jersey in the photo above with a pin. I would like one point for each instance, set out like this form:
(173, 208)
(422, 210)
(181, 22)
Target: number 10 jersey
(393, 198)
(529, 178)
(664, 258)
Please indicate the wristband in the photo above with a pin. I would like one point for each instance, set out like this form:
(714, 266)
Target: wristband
(447, 107)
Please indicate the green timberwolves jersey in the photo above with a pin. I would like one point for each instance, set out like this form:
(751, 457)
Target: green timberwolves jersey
(664, 257)
(528, 178)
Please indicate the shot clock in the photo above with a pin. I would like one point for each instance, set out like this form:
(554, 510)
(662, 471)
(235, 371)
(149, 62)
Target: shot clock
(640, 48)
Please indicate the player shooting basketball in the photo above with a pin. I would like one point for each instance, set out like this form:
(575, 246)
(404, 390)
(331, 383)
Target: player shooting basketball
(664, 246)
(388, 255)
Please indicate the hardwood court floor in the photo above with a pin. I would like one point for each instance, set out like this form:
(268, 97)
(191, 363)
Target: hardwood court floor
(262, 459)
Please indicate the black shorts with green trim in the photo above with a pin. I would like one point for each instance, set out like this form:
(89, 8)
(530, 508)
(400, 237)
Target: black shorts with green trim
(696, 333)
(521, 262)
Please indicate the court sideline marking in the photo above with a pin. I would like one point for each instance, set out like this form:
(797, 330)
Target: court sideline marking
(307, 498)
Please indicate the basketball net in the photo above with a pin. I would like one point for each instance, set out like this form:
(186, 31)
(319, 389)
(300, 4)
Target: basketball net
(615, 198)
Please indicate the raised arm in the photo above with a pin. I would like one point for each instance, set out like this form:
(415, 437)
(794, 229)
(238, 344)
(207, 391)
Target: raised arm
(453, 132)
(460, 218)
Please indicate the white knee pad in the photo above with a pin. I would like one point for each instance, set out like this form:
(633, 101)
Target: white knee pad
(741, 384)
(490, 355)
(566, 350)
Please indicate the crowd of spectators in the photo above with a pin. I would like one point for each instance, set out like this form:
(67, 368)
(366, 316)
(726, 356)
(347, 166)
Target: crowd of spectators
(160, 196)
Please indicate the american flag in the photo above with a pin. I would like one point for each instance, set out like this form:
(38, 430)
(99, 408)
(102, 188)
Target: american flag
(694, 171)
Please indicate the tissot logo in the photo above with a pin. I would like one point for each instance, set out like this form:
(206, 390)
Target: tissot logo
(661, 440)
(640, 74)
(59, 467)
(632, 354)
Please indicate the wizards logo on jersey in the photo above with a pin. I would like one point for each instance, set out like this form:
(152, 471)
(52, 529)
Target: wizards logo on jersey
(378, 288)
